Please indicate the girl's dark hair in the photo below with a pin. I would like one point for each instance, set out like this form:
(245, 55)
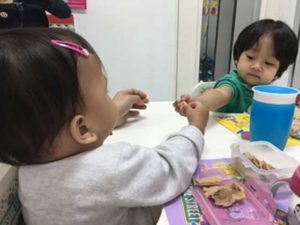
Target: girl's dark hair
(284, 40)
(39, 91)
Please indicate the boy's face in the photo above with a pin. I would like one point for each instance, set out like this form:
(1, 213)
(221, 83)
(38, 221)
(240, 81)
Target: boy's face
(100, 110)
(258, 65)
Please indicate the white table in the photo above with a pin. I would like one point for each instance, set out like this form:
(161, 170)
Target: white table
(160, 120)
(152, 127)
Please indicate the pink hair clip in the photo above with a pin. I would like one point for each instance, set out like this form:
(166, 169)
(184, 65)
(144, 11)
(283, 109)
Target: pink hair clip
(71, 45)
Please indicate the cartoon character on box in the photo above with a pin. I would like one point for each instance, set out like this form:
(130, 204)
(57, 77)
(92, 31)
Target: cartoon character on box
(294, 213)
(297, 213)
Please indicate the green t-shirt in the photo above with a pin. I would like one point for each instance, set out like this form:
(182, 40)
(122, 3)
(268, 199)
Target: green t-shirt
(241, 93)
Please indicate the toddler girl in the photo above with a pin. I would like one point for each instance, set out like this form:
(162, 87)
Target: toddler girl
(55, 115)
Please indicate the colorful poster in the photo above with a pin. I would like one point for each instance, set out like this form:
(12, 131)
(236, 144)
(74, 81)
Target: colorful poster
(67, 23)
(77, 4)
(239, 124)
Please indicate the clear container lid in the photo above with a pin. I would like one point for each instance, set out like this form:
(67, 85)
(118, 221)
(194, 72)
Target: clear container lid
(284, 164)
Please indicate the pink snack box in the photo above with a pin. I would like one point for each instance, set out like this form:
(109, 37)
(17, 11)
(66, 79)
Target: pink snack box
(249, 211)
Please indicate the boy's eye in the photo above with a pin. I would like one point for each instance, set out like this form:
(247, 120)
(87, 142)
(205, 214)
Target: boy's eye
(269, 64)
(250, 57)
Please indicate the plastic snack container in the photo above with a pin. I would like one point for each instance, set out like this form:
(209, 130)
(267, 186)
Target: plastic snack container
(284, 164)
(249, 211)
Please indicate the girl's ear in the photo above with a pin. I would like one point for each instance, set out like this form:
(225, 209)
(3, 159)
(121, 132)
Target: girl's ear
(80, 132)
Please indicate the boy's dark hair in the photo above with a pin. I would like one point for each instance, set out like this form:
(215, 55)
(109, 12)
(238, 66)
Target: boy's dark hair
(284, 40)
(39, 91)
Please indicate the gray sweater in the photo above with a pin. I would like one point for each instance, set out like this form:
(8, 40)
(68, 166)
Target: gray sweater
(115, 184)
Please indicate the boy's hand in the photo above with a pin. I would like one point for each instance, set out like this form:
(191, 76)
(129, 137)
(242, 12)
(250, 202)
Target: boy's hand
(179, 104)
(127, 100)
(197, 114)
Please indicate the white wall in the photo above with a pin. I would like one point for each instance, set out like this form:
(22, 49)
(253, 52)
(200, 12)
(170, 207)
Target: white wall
(223, 46)
(189, 32)
(296, 76)
(285, 11)
(137, 42)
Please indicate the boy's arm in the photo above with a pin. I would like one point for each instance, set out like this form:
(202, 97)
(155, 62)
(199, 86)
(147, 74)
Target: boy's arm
(215, 98)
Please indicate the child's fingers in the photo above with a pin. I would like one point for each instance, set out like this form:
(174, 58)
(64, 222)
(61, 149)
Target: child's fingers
(184, 108)
(177, 105)
(181, 107)
(132, 113)
(186, 98)
(133, 91)
(193, 104)
(138, 102)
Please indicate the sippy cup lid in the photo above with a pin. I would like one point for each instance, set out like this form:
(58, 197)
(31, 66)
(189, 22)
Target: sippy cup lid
(294, 182)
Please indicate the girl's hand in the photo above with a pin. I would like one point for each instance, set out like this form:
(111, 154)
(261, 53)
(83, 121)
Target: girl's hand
(197, 114)
(179, 104)
(127, 100)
